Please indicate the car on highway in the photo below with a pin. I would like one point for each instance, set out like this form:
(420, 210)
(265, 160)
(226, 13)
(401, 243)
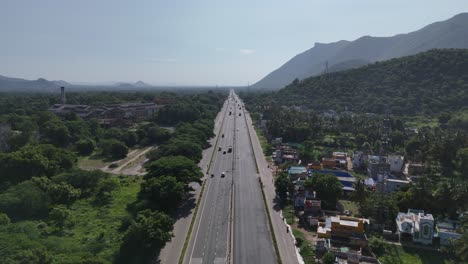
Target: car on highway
(222, 135)
(224, 152)
(223, 174)
(229, 149)
(219, 149)
(239, 114)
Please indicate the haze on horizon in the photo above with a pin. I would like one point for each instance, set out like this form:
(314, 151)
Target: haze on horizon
(203, 42)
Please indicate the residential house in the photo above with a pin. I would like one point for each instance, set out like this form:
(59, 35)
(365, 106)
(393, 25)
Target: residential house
(378, 167)
(297, 172)
(343, 176)
(341, 157)
(316, 165)
(330, 163)
(343, 227)
(415, 168)
(358, 159)
(415, 226)
(396, 163)
(448, 230)
(393, 185)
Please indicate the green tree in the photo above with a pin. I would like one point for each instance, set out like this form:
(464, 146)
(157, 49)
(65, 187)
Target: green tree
(150, 231)
(4, 219)
(380, 208)
(377, 244)
(184, 169)
(85, 146)
(328, 258)
(328, 188)
(164, 192)
(24, 201)
(60, 216)
(360, 193)
(282, 184)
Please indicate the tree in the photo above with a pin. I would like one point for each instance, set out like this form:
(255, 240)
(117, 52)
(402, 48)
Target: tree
(150, 231)
(60, 216)
(86, 181)
(59, 193)
(328, 258)
(328, 188)
(85, 146)
(23, 201)
(377, 244)
(4, 219)
(63, 193)
(360, 193)
(184, 169)
(118, 150)
(282, 183)
(164, 192)
(380, 208)
(105, 188)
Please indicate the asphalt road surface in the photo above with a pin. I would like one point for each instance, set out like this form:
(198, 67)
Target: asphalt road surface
(232, 222)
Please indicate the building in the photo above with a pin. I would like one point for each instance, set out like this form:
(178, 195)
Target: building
(447, 231)
(297, 172)
(396, 163)
(415, 168)
(343, 227)
(415, 226)
(377, 165)
(358, 159)
(316, 165)
(330, 163)
(343, 176)
(393, 185)
(341, 157)
(106, 114)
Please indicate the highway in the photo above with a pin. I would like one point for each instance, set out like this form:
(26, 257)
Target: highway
(231, 225)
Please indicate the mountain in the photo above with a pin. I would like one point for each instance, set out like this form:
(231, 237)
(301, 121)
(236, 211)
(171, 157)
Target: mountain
(451, 33)
(141, 84)
(20, 85)
(138, 84)
(429, 82)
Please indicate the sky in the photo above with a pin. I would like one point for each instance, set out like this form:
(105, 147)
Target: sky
(189, 42)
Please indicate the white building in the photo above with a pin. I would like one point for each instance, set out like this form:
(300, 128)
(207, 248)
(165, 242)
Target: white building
(396, 163)
(415, 226)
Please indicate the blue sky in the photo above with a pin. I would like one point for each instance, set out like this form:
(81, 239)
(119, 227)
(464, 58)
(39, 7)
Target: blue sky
(189, 42)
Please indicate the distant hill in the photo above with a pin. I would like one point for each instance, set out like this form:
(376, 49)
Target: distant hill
(451, 33)
(8, 84)
(138, 84)
(429, 82)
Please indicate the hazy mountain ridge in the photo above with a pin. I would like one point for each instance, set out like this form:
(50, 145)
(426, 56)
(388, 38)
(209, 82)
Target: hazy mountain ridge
(9, 84)
(451, 33)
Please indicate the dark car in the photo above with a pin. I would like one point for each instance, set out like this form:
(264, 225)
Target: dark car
(219, 149)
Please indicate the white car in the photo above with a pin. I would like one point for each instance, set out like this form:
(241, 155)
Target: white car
(223, 174)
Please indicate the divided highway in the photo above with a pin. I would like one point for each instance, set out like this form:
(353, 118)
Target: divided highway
(232, 224)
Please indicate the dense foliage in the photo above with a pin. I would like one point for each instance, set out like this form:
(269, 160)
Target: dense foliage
(53, 212)
(430, 82)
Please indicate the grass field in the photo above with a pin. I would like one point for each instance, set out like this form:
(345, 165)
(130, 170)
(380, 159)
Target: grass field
(350, 206)
(307, 250)
(94, 236)
(395, 254)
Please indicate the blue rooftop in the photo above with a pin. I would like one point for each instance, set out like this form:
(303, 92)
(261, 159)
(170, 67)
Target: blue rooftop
(296, 170)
